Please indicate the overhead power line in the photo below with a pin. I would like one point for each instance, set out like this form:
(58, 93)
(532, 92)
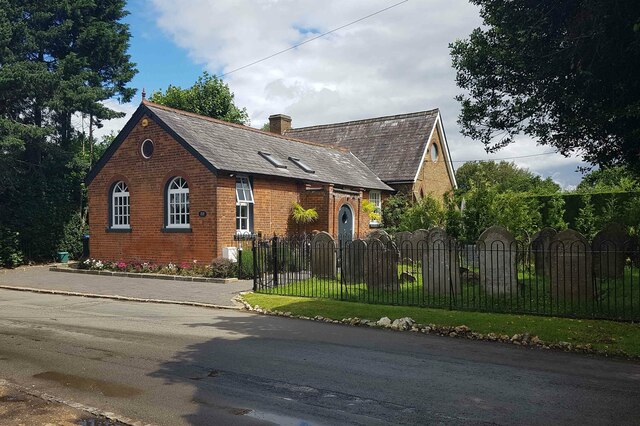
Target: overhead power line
(313, 38)
(505, 158)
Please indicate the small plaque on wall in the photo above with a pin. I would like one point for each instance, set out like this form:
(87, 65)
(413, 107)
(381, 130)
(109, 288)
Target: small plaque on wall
(202, 213)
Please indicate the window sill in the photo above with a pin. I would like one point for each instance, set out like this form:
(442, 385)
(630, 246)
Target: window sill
(243, 236)
(119, 230)
(176, 230)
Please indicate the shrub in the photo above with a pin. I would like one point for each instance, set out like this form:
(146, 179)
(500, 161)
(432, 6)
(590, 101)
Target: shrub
(246, 265)
(554, 213)
(301, 215)
(71, 240)
(10, 253)
(222, 268)
(586, 220)
(518, 213)
(424, 214)
(393, 210)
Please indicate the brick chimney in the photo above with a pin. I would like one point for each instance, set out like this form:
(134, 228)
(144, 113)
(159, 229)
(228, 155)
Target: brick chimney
(279, 123)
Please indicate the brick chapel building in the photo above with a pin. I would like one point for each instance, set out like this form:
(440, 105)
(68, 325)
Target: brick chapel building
(176, 186)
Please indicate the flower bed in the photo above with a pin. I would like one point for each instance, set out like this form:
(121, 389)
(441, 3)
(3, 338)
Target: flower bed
(218, 268)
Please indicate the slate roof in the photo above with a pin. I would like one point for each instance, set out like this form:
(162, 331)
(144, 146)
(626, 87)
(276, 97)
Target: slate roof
(391, 146)
(228, 147)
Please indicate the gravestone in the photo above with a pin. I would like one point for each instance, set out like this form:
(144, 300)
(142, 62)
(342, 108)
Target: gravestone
(540, 248)
(609, 251)
(419, 243)
(469, 256)
(571, 267)
(497, 261)
(404, 243)
(323, 256)
(440, 263)
(380, 235)
(381, 265)
(355, 254)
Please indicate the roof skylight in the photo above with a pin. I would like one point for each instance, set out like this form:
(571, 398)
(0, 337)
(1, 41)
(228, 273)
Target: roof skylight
(302, 165)
(270, 158)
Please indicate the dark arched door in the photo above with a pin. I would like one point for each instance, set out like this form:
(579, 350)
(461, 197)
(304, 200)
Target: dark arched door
(345, 224)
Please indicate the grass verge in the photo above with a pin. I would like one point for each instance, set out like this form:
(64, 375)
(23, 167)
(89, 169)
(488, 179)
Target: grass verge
(612, 337)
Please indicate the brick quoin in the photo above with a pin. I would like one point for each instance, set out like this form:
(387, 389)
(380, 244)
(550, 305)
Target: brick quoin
(211, 193)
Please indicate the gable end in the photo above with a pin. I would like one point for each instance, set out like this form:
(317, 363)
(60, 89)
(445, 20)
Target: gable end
(126, 130)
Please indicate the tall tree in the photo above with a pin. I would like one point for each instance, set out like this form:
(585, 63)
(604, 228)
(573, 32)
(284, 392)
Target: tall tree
(609, 179)
(562, 71)
(504, 176)
(209, 96)
(58, 58)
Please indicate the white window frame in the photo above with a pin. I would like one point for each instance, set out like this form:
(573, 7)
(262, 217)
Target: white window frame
(178, 204)
(244, 197)
(376, 198)
(120, 206)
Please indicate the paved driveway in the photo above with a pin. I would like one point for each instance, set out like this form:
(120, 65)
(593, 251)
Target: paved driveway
(39, 277)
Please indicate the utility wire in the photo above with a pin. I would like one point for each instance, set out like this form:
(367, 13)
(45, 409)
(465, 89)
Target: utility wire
(313, 38)
(504, 158)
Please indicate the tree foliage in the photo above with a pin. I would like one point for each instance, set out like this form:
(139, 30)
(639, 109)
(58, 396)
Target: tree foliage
(503, 176)
(209, 96)
(586, 222)
(609, 179)
(563, 72)
(423, 214)
(371, 210)
(393, 209)
(58, 58)
(554, 213)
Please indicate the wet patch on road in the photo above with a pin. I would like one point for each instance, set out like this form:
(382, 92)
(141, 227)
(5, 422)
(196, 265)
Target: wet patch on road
(106, 388)
(19, 408)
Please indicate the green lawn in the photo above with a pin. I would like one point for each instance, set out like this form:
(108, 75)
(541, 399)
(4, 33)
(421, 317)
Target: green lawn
(603, 335)
(614, 298)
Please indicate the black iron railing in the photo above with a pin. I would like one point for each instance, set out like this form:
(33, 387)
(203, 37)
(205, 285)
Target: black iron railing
(562, 277)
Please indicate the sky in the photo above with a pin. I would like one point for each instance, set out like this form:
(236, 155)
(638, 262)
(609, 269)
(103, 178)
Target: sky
(394, 62)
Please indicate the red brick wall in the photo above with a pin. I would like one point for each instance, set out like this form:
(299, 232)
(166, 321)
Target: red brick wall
(215, 195)
(317, 197)
(146, 179)
(273, 198)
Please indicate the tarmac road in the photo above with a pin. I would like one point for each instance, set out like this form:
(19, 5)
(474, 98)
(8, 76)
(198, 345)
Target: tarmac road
(175, 365)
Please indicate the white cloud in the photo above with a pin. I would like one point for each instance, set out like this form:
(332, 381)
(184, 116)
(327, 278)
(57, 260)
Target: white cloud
(115, 125)
(108, 126)
(395, 62)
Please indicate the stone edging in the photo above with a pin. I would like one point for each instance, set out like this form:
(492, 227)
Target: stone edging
(461, 331)
(91, 410)
(122, 298)
(142, 275)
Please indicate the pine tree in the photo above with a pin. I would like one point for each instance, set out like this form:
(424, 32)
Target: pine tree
(57, 58)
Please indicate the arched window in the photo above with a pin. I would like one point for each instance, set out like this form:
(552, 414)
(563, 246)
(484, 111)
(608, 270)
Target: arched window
(178, 203)
(120, 208)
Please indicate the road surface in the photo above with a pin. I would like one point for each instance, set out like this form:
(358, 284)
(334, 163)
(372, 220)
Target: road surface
(173, 365)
